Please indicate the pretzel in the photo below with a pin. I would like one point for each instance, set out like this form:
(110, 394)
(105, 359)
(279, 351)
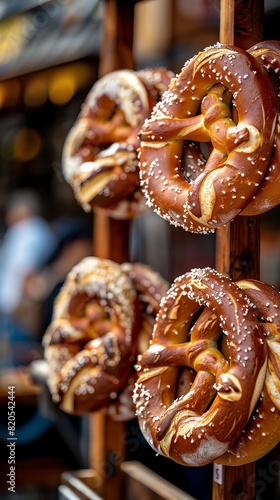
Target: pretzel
(268, 194)
(262, 432)
(90, 343)
(150, 287)
(201, 309)
(222, 96)
(99, 157)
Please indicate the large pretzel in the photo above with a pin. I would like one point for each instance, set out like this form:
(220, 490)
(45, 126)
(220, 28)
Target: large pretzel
(268, 194)
(99, 156)
(223, 96)
(90, 343)
(201, 310)
(150, 287)
(262, 432)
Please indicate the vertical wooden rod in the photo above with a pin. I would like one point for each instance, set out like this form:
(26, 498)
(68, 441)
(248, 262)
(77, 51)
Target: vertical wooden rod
(227, 21)
(238, 243)
(111, 241)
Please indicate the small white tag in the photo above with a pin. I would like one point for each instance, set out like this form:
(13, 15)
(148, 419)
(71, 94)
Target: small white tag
(218, 473)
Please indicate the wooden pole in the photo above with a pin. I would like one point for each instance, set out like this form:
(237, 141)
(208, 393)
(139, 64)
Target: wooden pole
(111, 241)
(238, 244)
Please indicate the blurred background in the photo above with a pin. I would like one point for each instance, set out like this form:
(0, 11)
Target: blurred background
(49, 59)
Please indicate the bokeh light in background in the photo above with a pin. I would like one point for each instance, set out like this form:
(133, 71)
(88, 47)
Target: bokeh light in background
(36, 92)
(27, 144)
(10, 93)
(62, 88)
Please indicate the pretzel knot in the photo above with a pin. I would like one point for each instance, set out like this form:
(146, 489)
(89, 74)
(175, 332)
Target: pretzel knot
(262, 432)
(90, 343)
(207, 334)
(223, 97)
(99, 157)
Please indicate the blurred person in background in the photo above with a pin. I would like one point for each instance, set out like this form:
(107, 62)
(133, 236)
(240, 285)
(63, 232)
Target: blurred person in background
(74, 242)
(27, 242)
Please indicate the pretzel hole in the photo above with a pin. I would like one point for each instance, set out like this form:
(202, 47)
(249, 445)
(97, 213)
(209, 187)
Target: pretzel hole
(184, 328)
(185, 379)
(87, 149)
(89, 316)
(188, 382)
(107, 118)
(194, 158)
(274, 76)
(195, 317)
(103, 108)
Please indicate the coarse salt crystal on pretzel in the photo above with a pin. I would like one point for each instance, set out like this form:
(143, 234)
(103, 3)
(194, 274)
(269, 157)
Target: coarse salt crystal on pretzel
(201, 309)
(222, 96)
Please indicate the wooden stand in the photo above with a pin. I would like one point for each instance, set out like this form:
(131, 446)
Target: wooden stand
(237, 255)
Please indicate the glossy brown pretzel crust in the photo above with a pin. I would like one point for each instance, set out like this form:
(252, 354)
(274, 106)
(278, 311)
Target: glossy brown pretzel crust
(262, 433)
(100, 152)
(201, 311)
(268, 193)
(222, 96)
(90, 343)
